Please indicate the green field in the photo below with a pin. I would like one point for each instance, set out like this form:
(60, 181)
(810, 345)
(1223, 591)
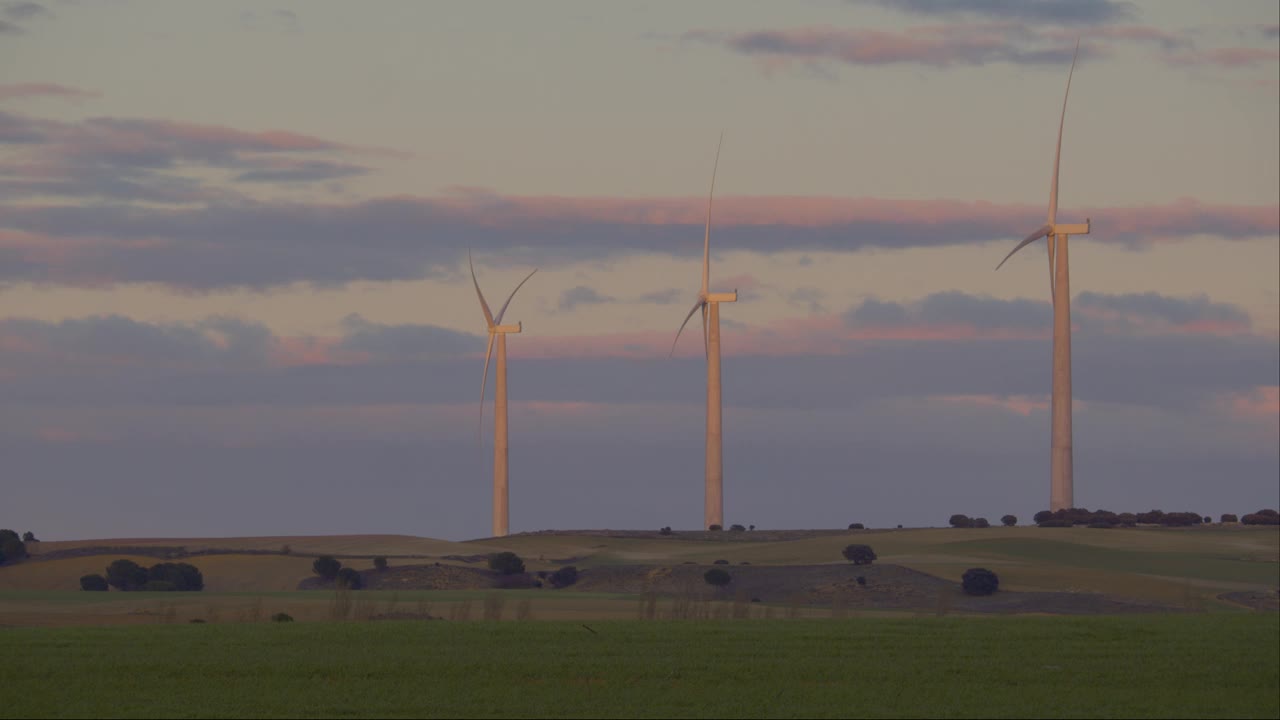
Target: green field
(1149, 666)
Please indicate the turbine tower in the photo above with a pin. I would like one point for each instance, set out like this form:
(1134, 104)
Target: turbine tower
(709, 303)
(1061, 482)
(499, 331)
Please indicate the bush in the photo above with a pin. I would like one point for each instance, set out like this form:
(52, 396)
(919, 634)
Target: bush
(979, 581)
(1229, 518)
(1009, 520)
(715, 527)
(1261, 518)
(282, 617)
(29, 536)
(564, 577)
(380, 564)
(737, 528)
(981, 523)
(348, 579)
(1041, 516)
(93, 583)
(12, 548)
(859, 554)
(665, 531)
(159, 586)
(326, 566)
(751, 527)
(959, 521)
(717, 577)
(507, 563)
(857, 526)
(183, 576)
(720, 562)
(126, 575)
(861, 580)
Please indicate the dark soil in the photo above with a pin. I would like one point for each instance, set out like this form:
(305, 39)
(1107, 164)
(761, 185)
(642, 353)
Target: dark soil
(1260, 601)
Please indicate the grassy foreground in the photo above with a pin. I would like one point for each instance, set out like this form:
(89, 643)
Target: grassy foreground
(1143, 666)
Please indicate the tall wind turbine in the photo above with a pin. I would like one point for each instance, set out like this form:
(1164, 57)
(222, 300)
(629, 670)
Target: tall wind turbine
(709, 303)
(1061, 483)
(499, 331)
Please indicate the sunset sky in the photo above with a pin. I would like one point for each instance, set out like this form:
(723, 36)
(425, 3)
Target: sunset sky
(234, 296)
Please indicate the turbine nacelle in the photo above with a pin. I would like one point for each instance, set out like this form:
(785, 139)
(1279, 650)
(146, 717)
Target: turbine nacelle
(506, 329)
(721, 297)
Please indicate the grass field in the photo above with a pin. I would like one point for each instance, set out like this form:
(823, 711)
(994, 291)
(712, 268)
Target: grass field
(1147, 666)
(1185, 568)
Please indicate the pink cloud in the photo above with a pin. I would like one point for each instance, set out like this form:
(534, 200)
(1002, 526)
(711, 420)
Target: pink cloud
(27, 90)
(1023, 405)
(1261, 403)
(1228, 57)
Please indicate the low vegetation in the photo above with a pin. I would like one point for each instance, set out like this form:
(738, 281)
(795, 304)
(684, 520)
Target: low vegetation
(126, 575)
(979, 581)
(1209, 665)
(859, 554)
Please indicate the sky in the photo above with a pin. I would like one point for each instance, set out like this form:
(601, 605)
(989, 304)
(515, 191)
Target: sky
(234, 295)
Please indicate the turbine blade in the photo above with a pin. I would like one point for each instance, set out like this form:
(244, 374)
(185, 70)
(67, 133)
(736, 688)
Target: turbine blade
(700, 303)
(1039, 233)
(706, 341)
(488, 352)
(1048, 246)
(1057, 154)
(706, 239)
(503, 311)
(488, 316)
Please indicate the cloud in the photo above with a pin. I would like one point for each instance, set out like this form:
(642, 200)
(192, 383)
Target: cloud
(377, 342)
(108, 157)
(661, 297)
(808, 297)
(1226, 57)
(1270, 31)
(581, 295)
(8, 28)
(940, 46)
(261, 245)
(16, 91)
(21, 11)
(1071, 12)
(1152, 312)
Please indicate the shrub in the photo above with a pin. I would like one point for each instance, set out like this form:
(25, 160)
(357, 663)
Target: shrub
(861, 580)
(665, 531)
(979, 581)
(507, 563)
(720, 562)
(12, 548)
(857, 526)
(282, 617)
(751, 527)
(93, 583)
(29, 536)
(326, 566)
(1151, 517)
(1229, 518)
(1009, 520)
(183, 576)
(1207, 520)
(737, 528)
(564, 577)
(1042, 516)
(348, 579)
(981, 523)
(859, 554)
(159, 586)
(715, 527)
(380, 564)
(717, 577)
(1102, 524)
(959, 520)
(1262, 517)
(1127, 519)
(126, 575)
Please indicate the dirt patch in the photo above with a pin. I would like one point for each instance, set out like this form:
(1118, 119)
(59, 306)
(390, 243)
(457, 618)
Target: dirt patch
(1260, 601)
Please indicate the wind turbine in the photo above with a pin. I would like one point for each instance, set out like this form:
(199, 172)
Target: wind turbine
(709, 302)
(1061, 482)
(499, 331)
